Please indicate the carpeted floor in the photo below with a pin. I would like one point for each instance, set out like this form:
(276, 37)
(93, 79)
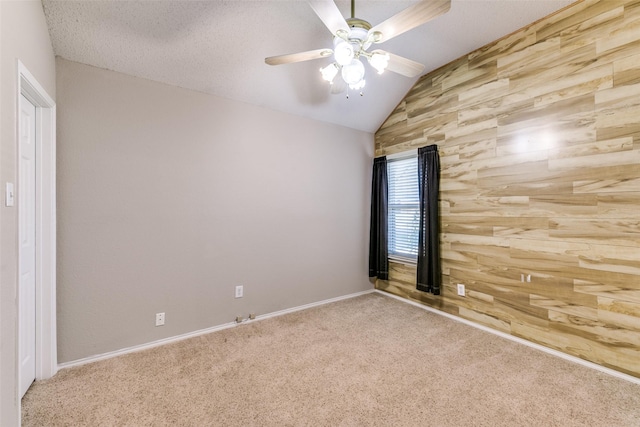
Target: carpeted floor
(365, 361)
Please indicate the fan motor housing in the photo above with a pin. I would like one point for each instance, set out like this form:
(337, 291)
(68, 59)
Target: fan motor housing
(359, 33)
(358, 23)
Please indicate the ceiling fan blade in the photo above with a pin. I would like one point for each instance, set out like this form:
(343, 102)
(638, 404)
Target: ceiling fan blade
(330, 15)
(401, 65)
(298, 57)
(408, 19)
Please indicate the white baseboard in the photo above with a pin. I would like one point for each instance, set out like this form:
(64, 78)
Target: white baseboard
(531, 344)
(176, 338)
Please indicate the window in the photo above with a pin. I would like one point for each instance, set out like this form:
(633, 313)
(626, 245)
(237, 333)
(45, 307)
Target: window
(404, 208)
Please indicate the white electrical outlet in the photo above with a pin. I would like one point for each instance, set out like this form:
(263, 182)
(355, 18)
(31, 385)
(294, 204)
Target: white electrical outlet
(239, 291)
(159, 319)
(460, 289)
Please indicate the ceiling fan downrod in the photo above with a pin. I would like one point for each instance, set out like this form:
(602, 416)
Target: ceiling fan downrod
(354, 22)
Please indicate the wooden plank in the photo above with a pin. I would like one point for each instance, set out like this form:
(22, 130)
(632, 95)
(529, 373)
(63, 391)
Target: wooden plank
(485, 319)
(595, 331)
(618, 233)
(623, 359)
(588, 32)
(622, 314)
(579, 18)
(618, 205)
(429, 106)
(506, 45)
(627, 32)
(573, 86)
(592, 148)
(556, 306)
(626, 71)
(619, 292)
(548, 65)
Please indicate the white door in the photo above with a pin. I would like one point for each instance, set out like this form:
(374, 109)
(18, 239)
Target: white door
(27, 243)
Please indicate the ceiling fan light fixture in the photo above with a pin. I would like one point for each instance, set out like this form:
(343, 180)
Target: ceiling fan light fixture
(329, 72)
(343, 52)
(358, 86)
(379, 61)
(360, 35)
(352, 37)
(353, 72)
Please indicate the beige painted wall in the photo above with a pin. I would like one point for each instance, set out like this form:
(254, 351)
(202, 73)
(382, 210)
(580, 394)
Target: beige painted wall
(169, 198)
(23, 36)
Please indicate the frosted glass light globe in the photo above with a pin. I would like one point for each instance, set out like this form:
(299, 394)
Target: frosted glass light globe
(329, 72)
(343, 52)
(379, 61)
(358, 85)
(353, 72)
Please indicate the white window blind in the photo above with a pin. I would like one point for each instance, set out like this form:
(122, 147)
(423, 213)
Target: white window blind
(404, 208)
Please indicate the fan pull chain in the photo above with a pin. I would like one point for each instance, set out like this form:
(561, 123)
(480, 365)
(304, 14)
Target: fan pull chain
(361, 93)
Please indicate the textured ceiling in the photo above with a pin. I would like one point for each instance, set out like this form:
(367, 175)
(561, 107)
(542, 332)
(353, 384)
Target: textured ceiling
(218, 47)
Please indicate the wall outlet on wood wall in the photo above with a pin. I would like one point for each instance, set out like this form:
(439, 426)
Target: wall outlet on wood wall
(461, 289)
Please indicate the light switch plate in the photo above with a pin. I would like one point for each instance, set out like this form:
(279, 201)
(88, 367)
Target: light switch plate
(8, 195)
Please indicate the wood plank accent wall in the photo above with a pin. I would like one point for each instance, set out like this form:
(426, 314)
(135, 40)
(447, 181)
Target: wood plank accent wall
(539, 138)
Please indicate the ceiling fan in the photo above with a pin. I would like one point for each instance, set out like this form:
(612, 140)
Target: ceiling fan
(354, 36)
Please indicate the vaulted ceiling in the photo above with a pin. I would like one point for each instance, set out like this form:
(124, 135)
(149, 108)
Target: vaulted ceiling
(218, 47)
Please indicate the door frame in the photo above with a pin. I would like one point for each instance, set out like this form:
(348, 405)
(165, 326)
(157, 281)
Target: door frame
(46, 339)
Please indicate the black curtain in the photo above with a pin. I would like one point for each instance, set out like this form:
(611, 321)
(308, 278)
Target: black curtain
(378, 251)
(429, 275)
